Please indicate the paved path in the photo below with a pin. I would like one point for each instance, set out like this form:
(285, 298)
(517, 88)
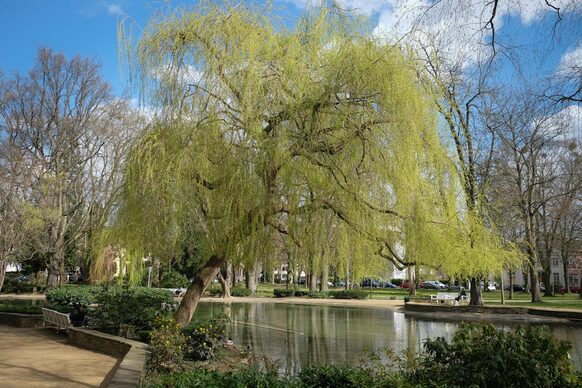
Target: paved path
(42, 358)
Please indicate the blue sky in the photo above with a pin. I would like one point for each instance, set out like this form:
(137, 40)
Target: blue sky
(89, 28)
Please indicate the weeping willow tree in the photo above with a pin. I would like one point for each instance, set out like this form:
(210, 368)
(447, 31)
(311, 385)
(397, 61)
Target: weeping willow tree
(267, 131)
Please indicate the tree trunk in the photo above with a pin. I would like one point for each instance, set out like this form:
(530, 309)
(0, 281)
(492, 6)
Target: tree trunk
(251, 278)
(197, 287)
(547, 276)
(535, 285)
(324, 278)
(510, 285)
(476, 294)
(3, 265)
(312, 281)
(566, 274)
(56, 264)
(224, 280)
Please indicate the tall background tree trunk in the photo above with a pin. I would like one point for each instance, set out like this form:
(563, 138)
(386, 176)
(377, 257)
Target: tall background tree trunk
(3, 265)
(476, 294)
(190, 300)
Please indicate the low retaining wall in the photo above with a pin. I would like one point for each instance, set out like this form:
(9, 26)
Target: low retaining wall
(130, 369)
(21, 320)
(499, 310)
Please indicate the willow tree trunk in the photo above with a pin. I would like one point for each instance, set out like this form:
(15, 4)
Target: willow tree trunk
(224, 279)
(324, 278)
(251, 278)
(312, 281)
(194, 293)
(476, 294)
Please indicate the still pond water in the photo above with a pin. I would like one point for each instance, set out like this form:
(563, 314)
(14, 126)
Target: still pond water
(295, 336)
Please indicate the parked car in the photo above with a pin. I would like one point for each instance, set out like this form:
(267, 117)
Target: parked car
(453, 287)
(516, 288)
(432, 285)
(370, 283)
(573, 289)
(405, 285)
(389, 285)
(490, 287)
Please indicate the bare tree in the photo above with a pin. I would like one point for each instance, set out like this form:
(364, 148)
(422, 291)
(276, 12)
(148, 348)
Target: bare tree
(70, 129)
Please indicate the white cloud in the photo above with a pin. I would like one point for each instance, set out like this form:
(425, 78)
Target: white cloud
(571, 63)
(365, 7)
(115, 9)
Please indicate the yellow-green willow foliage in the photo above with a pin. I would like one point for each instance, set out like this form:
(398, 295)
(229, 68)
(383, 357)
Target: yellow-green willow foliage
(269, 131)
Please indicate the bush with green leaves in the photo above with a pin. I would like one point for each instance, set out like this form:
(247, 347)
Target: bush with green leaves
(166, 347)
(481, 355)
(397, 282)
(349, 294)
(63, 298)
(214, 291)
(21, 306)
(300, 293)
(283, 292)
(319, 294)
(336, 376)
(240, 291)
(204, 337)
(173, 279)
(136, 306)
(242, 378)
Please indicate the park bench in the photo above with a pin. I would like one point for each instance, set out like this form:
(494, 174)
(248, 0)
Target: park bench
(448, 298)
(54, 318)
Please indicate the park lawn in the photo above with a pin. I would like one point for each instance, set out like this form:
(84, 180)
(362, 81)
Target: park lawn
(521, 299)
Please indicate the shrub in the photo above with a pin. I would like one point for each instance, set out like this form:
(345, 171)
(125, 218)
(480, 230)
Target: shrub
(173, 279)
(203, 337)
(137, 306)
(166, 347)
(283, 292)
(21, 307)
(245, 377)
(214, 291)
(240, 291)
(349, 294)
(335, 376)
(396, 282)
(63, 298)
(300, 293)
(319, 294)
(482, 355)
(16, 283)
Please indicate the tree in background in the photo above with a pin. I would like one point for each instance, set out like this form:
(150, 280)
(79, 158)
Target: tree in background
(71, 136)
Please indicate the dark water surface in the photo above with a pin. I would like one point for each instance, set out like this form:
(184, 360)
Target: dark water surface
(295, 335)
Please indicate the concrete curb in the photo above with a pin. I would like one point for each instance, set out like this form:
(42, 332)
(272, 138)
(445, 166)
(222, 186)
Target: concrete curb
(500, 312)
(131, 368)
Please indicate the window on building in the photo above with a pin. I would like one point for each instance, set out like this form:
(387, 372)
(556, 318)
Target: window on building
(556, 278)
(555, 262)
(574, 280)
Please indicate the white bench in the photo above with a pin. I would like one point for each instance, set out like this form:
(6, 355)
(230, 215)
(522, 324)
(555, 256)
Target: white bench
(54, 318)
(448, 298)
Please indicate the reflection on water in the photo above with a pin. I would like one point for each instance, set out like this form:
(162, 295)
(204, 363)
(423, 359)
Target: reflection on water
(296, 335)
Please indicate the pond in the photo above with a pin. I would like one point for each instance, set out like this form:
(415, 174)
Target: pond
(296, 335)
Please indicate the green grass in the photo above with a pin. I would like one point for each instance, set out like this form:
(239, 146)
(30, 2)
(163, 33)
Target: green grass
(567, 301)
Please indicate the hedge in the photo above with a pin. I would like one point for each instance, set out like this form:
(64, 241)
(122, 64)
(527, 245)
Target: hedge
(283, 292)
(349, 294)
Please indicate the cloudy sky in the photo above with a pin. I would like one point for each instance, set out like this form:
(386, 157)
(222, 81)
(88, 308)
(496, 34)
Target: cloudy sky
(526, 29)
